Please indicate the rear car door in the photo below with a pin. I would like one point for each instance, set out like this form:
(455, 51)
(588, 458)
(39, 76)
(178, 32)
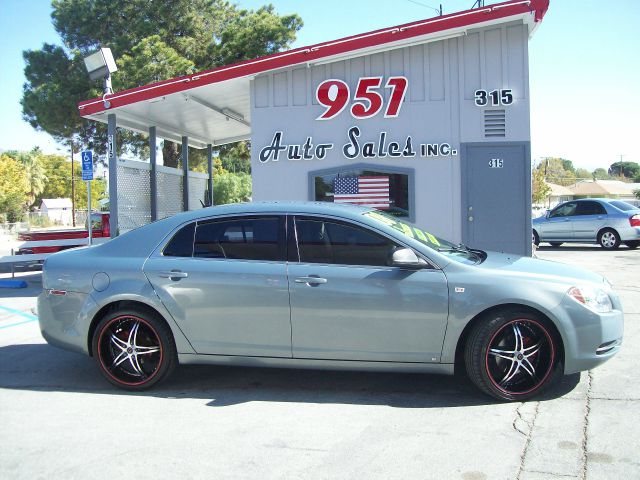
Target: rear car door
(224, 281)
(558, 225)
(347, 304)
(590, 217)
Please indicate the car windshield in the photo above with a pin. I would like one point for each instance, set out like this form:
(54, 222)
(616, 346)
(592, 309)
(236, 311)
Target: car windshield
(458, 252)
(624, 206)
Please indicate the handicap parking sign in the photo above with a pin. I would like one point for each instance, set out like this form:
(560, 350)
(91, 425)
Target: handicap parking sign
(87, 165)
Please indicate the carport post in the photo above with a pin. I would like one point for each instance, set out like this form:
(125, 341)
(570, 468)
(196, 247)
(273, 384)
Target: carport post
(210, 170)
(113, 174)
(185, 172)
(153, 181)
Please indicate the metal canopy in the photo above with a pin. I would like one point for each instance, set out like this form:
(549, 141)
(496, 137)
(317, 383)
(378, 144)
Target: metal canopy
(213, 107)
(206, 114)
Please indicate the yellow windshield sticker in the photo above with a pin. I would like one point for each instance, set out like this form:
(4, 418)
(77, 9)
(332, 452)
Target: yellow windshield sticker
(432, 239)
(381, 218)
(420, 234)
(406, 229)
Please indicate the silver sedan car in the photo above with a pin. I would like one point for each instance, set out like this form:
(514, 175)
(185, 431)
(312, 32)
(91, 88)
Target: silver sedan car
(322, 285)
(591, 220)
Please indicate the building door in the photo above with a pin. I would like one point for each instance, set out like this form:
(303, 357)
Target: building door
(496, 197)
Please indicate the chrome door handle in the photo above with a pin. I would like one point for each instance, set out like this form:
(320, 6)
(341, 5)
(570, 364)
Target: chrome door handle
(173, 274)
(311, 280)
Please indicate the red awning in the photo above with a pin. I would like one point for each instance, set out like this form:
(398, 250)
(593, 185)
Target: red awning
(213, 106)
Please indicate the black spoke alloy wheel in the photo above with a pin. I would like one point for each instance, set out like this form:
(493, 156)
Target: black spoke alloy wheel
(512, 356)
(134, 350)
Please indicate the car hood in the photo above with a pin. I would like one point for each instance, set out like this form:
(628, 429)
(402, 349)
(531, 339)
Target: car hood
(545, 270)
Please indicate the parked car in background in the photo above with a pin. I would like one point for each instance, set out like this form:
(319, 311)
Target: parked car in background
(323, 285)
(604, 221)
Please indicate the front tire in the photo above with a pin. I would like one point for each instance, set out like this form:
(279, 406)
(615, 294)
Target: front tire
(512, 355)
(609, 239)
(555, 244)
(134, 349)
(536, 238)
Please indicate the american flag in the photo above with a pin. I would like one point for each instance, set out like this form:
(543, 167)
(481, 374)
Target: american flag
(366, 191)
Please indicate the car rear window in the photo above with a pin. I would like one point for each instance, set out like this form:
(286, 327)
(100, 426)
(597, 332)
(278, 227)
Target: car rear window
(624, 206)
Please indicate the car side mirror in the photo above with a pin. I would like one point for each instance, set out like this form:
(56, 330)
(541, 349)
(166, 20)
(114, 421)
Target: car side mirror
(407, 258)
(548, 214)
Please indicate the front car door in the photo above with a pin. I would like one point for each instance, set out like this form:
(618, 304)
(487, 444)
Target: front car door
(347, 304)
(224, 281)
(558, 225)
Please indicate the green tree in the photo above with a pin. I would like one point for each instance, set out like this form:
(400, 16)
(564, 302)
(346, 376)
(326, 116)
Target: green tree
(600, 174)
(637, 193)
(540, 190)
(236, 157)
(34, 171)
(14, 188)
(583, 173)
(555, 171)
(231, 188)
(150, 41)
(624, 169)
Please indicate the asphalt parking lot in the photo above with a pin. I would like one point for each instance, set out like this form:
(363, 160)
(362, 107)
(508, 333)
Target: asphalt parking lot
(60, 419)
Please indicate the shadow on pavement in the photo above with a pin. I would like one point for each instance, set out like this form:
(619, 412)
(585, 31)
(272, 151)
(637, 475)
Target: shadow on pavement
(40, 367)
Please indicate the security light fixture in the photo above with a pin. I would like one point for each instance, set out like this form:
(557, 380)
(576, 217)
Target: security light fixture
(101, 65)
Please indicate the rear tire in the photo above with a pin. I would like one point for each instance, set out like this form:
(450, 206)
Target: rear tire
(512, 355)
(555, 244)
(609, 239)
(633, 244)
(134, 349)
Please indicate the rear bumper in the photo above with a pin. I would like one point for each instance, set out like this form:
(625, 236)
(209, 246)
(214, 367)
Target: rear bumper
(64, 320)
(629, 234)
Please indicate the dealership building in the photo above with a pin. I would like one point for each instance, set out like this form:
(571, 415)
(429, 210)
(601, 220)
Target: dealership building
(428, 121)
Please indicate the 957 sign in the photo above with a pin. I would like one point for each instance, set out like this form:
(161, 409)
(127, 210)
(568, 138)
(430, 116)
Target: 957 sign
(334, 95)
(494, 97)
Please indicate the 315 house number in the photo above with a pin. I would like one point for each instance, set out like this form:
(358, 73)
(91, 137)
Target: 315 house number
(496, 163)
(494, 97)
(334, 95)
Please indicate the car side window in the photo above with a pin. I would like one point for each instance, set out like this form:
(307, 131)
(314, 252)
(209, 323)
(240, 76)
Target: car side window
(341, 244)
(564, 210)
(239, 239)
(590, 208)
(181, 245)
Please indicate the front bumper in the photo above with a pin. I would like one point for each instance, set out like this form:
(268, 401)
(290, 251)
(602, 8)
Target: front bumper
(591, 338)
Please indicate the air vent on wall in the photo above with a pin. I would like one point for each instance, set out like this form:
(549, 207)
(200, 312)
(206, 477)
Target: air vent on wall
(494, 123)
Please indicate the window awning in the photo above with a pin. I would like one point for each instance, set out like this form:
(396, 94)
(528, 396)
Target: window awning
(213, 107)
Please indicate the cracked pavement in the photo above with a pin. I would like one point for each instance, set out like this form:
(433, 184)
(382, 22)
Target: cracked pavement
(61, 420)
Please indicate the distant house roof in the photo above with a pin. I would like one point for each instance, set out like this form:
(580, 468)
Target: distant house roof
(56, 203)
(601, 187)
(559, 190)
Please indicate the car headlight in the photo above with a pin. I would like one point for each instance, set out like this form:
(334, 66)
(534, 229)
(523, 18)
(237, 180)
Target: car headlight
(594, 298)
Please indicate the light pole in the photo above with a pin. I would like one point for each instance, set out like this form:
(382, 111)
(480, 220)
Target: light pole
(101, 65)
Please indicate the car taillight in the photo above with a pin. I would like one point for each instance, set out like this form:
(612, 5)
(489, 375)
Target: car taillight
(635, 221)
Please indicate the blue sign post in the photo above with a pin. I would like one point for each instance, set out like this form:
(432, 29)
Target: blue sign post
(87, 175)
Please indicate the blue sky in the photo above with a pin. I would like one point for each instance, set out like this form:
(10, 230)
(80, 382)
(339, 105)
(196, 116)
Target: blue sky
(584, 67)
